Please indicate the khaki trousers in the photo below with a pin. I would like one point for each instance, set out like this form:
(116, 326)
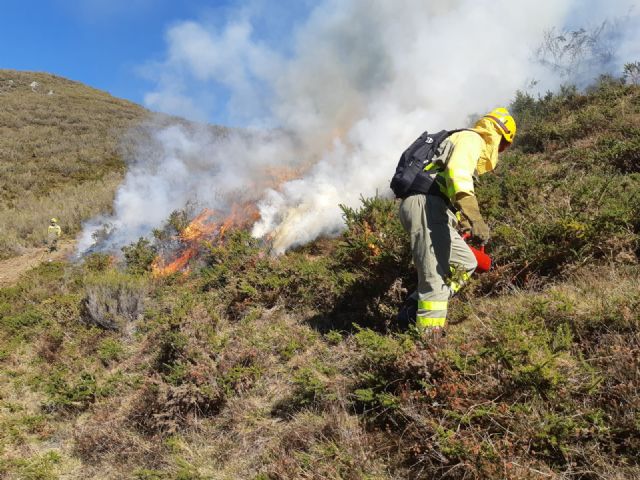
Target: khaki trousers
(442, 258)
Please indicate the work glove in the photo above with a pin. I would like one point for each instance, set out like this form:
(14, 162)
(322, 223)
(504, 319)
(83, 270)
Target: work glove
(464, 225)
(468, 205)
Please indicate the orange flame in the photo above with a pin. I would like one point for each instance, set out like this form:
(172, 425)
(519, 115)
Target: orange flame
(199, 227)
(207, 227)
(159, 269)
(204, 227)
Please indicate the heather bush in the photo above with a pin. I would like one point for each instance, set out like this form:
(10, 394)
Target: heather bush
(113, 300)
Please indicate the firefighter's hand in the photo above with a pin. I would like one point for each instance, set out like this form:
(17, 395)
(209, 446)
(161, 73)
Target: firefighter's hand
(468, 205)
(464, 225)
(480, 230)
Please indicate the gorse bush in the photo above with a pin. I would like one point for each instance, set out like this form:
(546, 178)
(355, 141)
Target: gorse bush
(243, 276)
(374, 237)
(580, 201)
(139, 256)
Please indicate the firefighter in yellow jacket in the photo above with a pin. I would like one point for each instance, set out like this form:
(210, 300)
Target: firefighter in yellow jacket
(442, 258)
(53, 235)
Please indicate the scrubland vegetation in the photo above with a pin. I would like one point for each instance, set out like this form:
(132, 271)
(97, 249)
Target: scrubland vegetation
(254, 367)
(61, 154)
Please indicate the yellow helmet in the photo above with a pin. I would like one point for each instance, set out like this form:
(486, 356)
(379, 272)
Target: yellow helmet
(505, 122)
(54, 220)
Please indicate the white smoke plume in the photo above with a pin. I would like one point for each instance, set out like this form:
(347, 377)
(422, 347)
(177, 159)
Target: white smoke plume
(358, 81)
(183, 164)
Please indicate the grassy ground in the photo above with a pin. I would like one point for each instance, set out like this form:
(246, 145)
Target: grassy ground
(254, 367)
(61, 154)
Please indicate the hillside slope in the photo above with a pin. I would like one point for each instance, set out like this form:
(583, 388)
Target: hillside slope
(262, 368)
(13, 268)
(61, 154)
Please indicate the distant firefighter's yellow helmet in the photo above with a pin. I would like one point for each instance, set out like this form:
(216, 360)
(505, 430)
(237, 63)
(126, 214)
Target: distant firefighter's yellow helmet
(54, 220)
(505, 123)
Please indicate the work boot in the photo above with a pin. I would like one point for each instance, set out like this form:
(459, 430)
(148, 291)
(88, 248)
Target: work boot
(407, 313)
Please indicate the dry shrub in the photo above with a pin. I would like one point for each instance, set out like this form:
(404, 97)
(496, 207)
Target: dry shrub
(617, 357)
(50, 345)
(333, 446)
(113, 300)
(105, 437)
(183, 382)
(161, 408)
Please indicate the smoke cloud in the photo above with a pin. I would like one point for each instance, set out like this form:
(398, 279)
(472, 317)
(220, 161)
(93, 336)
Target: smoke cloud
(355, 83)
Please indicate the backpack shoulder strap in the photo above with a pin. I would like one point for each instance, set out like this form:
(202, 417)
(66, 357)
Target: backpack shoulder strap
(451, 132)
(442, 165)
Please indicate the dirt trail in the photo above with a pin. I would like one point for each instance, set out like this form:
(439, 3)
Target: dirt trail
(12, 268)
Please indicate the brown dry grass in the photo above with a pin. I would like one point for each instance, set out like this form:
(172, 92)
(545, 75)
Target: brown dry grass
(60, 154)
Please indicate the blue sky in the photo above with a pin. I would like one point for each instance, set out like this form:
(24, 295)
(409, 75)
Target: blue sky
(108, 44)
(217, 60)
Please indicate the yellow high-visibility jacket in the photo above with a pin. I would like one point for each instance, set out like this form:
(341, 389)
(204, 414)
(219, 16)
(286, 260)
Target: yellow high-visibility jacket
(474, 152)
(54, 231)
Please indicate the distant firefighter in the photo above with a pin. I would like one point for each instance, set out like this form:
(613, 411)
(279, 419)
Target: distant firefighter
(53, 235)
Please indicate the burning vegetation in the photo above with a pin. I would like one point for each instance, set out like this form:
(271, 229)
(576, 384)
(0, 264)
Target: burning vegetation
(187, 243)
(207, 228)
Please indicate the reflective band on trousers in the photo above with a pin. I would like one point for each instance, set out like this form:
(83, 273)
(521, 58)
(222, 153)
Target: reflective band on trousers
(435, 305)
(431, 313)
(424, 322)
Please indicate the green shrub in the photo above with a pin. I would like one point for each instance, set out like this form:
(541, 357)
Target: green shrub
(380, 375)
(97, 262)
(77, 395)
(379, 351)
(240, 378)
(38, 467)
(147, 474)
(333, 337)
(244, 277)
(172, 345)
(374, 237)
(110, 350)
(534, 356)
(594, 214)
(622, 154)
(309, 387)
(139, 256)
(21, 321)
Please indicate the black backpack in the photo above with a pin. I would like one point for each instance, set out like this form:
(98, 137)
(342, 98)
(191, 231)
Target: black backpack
(410, 176)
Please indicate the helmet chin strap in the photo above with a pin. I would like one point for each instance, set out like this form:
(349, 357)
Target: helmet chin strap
(500, 124)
